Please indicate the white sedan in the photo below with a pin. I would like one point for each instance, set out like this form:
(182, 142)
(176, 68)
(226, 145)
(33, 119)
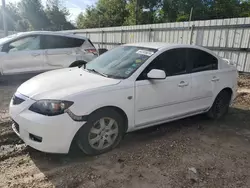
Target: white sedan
(128, 88)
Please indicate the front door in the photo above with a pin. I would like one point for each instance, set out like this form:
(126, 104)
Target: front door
(160, 100)
(23, 55)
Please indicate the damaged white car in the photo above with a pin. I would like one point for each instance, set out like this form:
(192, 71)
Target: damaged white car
(40, 51)
(131, 87)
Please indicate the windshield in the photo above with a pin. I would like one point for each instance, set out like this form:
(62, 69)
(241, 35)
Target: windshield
(121, 62)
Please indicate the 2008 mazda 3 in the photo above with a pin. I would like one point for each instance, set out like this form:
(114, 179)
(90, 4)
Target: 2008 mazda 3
(128, 88)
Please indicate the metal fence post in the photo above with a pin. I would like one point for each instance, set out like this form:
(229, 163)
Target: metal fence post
(5, 26)
(234, 34)
(245, 59)
(121, 36)
(149, 36)
(226, 43)
(238, 56)
(191, 34)
(102, 39)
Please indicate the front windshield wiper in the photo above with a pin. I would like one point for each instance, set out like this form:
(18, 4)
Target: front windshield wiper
(95, 71)
(115, 77)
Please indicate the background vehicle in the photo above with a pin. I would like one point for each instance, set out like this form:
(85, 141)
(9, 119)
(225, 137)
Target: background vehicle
(128, 88)
(39, 51)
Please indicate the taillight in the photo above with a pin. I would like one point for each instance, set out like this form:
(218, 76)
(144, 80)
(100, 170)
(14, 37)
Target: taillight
(93, 51)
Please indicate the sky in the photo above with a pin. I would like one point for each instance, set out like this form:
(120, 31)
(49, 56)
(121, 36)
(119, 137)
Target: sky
(74, 6)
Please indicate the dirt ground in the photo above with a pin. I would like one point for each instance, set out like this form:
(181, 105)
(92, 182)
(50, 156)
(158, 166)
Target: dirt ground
(193, 152)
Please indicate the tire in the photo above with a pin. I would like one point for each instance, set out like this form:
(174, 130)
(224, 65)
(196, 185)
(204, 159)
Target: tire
(94, 138)
(220, 106)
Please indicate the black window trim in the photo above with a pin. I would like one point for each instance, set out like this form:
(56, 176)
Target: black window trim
(19, 38)
(63, 36)
(203, 69)
(188, 67)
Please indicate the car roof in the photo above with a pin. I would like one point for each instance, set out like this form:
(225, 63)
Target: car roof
(57, 33)
(154, 45)
(163, 45)
(160, 45)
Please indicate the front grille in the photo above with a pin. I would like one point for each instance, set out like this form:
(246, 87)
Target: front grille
(17, 100)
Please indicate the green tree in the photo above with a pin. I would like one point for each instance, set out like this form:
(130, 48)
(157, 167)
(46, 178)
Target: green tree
(33, 11)
(90, 19)
(12, 16)
(171, 9)
(106, 13)
(112, 13)
(57, 14)
(147, 11)
(22, 25)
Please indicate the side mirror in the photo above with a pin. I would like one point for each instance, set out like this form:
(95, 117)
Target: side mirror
(102, 50)
(156, 74)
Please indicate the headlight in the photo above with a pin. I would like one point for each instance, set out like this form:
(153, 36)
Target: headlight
(50, 107)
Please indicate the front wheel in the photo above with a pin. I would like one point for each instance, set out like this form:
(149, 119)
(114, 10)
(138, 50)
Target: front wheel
(103, 132)
(220, 106)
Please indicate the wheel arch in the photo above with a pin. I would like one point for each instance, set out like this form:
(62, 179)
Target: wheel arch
(227, 89)
(117, 109)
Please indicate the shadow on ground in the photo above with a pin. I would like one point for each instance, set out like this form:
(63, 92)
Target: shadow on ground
(15, 80)
(181, 143)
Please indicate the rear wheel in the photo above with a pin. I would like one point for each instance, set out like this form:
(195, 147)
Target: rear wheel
(220, 106)
(103, 132)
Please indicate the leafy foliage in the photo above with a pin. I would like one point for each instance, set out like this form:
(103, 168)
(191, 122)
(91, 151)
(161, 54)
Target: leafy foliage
(32, 15)
(155, 11)
(106, 13)
(57, 16)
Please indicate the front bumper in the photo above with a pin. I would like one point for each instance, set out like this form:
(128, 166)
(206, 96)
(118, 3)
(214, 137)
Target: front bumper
(52, 134)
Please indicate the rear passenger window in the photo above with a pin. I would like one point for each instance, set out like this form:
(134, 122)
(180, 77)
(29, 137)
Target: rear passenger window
(201, 60)
(53, 42)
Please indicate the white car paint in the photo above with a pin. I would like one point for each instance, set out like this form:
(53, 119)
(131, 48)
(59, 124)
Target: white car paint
(40, 60)
(145, 102)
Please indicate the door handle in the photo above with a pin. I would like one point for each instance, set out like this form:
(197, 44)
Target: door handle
(35, 54)
(183, 84)
(215, 79)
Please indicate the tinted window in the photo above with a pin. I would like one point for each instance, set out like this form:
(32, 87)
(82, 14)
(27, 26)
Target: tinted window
(52, 42)
(23, 44)
(201, 60)
(173, 62)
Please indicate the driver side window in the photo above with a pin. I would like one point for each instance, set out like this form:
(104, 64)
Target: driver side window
(24, 44)
(173, 62)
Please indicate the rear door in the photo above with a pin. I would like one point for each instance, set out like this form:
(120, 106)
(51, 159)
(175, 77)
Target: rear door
(23, 55)
(61, 51)
(204, 68)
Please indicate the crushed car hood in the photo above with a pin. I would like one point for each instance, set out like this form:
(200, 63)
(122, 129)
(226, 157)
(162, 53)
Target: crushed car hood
(60, 83)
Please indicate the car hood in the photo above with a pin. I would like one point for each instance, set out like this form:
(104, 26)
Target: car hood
(61, 83)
